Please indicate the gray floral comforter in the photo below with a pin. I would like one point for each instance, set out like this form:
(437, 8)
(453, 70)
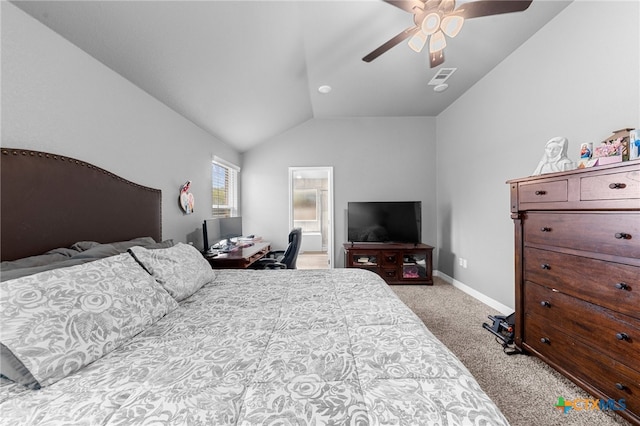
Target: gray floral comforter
(331, 347)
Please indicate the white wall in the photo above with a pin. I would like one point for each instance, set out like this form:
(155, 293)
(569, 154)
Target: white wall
(56, 98)
(577, 77)
(374, 159)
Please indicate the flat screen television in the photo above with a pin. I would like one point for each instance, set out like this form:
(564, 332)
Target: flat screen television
(384, 221)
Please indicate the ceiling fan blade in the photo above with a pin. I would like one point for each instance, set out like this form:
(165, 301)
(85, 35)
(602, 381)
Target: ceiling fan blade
(447, 6)
(436, 58)
(406, 5)
(480, 8)
(389, 44)
(432, 4)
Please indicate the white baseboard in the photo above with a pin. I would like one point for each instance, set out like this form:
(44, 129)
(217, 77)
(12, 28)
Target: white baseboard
(504, 309)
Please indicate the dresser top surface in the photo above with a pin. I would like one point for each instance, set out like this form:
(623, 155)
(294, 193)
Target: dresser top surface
(617, 167)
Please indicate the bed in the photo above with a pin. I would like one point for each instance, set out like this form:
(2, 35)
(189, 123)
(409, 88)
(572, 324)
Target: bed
(119, 327)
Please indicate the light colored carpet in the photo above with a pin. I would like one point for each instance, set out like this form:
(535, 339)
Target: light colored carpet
(313, 260)
(525, 389)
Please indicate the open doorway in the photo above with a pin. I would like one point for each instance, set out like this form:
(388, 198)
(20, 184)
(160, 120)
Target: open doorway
(311, 208)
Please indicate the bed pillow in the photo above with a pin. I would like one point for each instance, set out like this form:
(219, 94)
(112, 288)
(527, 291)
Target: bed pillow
(161, 244)
(121, 246)
(63, 258)
(23, 272)
(181, 269)
(50, 257)
(56, 322)
(97, 252)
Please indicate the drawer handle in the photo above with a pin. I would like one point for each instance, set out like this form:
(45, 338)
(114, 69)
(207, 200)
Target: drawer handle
(620, 386)
(622, 286)
(545, 340)
(541, 192)
(622, 336)
(617, 185)
(622, 236)
(545, 303)
(545, 266)
(545, 229)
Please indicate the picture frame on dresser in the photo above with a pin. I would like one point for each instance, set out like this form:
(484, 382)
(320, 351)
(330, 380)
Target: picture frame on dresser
(577, 277)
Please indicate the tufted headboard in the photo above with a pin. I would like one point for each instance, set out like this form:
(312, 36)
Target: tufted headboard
(50, 201)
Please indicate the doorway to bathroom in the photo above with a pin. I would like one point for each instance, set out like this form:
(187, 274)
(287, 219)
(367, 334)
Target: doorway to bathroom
(311, 208)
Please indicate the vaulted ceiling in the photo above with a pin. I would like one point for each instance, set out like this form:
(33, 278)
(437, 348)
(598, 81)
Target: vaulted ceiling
(246, 71)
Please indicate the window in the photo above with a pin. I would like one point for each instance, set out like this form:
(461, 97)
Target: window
(224, 187)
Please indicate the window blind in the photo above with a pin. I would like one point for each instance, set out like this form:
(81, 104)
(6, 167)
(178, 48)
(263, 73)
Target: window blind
(224, 186)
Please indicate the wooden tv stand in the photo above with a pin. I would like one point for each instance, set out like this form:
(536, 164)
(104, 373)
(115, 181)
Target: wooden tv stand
(396, 263)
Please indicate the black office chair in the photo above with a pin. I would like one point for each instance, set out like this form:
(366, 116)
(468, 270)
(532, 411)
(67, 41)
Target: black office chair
(282, 259)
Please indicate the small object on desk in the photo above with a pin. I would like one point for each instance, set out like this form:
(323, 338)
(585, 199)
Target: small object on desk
(211, 252)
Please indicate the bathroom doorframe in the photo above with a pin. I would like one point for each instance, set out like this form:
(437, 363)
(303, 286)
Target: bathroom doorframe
(328, 172)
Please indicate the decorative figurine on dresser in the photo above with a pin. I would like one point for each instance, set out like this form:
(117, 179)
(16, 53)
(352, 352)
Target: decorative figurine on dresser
(577, 278)
(555, 157)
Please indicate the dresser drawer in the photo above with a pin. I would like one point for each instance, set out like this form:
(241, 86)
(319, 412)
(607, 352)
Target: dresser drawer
(614, 186)
(604, 330)
(612, 285)
(543, 192)
(616, 234)
(610, 377)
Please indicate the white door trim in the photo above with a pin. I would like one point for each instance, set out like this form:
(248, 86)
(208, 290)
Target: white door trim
(329, 174)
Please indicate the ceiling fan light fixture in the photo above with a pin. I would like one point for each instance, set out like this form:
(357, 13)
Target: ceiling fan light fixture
(430, 23)
(451, 25)
(437, 42)
(417, 42)
(441, 87)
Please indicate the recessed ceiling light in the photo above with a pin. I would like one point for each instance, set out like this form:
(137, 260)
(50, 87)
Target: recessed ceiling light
(324, 89)
(441, 87)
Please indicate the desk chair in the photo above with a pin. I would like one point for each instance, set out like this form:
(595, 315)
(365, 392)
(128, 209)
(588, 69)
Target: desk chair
(282, 259)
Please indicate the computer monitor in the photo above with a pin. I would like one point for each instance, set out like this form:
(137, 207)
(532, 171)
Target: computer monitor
(230, 227)
(210, 233)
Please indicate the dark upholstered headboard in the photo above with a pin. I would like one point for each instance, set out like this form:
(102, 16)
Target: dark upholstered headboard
(51, 201)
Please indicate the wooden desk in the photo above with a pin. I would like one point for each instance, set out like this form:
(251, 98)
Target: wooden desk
(241, 258)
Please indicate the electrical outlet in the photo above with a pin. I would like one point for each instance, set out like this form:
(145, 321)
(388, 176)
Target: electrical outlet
(462, 262)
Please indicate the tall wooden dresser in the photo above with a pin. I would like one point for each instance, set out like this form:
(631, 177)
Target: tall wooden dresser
(577, 262)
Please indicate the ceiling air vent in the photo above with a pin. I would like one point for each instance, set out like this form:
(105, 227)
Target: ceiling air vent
(441, 76)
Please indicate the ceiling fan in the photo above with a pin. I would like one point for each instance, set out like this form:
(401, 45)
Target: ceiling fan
(436, 18)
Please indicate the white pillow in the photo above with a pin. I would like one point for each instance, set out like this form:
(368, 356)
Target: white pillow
(58, 321)
(180, 269)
